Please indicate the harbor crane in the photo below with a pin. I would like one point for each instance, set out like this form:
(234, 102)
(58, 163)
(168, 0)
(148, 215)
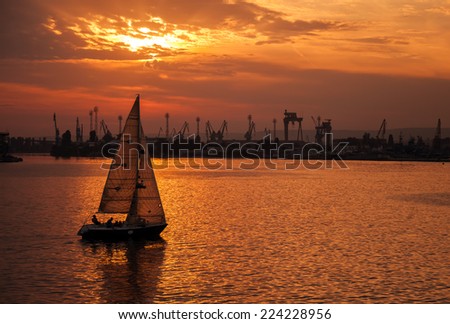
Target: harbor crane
(251, 129)
(197, 136)
(382, 131)
(210, 133)
(96, 119)
(380, 135)
(322, 128)
(167, 125)
(90, 120)
(160, 131)
(291, 117)
(221, 131)
(93, 133)
(79, 132)
(183, 130)
(438, 129)
(274, 128)
(57, 138)
(107, 135)
(316, 123)
(437, 136)
(104, 127)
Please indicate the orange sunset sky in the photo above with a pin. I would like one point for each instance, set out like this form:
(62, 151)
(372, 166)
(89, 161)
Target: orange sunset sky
(355, 62)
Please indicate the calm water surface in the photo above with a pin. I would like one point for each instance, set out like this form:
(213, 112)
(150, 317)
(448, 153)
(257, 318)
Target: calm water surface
(375, 233)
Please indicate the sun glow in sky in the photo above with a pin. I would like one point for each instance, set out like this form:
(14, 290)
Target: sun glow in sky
(355, 62)
(108, 34)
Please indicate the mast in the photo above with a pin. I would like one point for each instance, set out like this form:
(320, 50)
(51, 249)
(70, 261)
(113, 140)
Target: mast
(121, 182)
(132, 216)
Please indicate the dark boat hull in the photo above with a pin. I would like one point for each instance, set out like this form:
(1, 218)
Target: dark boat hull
(10, 159)
(114, 233)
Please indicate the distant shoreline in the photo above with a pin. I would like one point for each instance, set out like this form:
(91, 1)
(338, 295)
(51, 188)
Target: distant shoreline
(366, 159)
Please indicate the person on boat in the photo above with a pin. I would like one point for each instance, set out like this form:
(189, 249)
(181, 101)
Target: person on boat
(95, 220)
(109, 222)
(141, 221)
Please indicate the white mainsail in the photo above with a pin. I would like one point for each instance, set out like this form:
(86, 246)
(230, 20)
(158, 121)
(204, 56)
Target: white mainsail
(131, 185)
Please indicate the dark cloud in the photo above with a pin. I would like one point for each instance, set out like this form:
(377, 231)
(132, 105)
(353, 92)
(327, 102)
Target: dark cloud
(241, 17)
(58, 30)
(380, 40)
(274, 40)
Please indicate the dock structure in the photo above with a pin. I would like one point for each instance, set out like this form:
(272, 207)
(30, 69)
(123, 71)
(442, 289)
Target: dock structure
(291, 117)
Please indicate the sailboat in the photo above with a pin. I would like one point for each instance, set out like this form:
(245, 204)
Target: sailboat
(130, 190)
